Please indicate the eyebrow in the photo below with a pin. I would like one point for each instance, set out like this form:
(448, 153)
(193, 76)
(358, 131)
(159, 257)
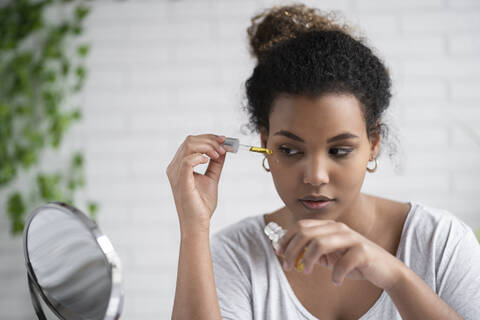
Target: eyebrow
(341, 136)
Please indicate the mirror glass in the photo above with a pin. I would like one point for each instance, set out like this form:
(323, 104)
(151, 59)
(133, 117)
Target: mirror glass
(72, 264)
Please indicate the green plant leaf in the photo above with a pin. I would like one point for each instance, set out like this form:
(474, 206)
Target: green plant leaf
(77, 160)
(49, 186)
(7, 173)
(38, 75)
(81, 12)
(92, 207)
(16, 212)
(83, 50)
(76, 114)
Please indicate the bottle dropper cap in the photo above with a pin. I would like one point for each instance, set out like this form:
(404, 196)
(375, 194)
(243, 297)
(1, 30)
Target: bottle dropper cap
(232, 142)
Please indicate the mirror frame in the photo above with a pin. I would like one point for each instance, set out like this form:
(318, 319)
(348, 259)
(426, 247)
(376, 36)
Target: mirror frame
(115, 303)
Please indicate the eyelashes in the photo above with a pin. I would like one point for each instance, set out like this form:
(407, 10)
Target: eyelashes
(338, 152)
(343, 152)
(285, 151)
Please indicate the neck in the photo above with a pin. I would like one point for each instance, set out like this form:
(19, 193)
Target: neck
(360, 215)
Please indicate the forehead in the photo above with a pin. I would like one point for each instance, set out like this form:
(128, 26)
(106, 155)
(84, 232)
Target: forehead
(325, 115)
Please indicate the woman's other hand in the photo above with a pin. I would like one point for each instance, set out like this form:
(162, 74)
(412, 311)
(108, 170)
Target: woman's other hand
(337, 247)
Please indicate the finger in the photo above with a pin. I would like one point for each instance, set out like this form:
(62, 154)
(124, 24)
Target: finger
(207, 144)
(307, 259)
(313, 227)
(304, 223)
(296, 246)
(313, 252)
(347, 263)
(214, 168)
(226, 147)
(221, 138)
(216, 141)
(187, 165)
(293, 250)
(325, 244)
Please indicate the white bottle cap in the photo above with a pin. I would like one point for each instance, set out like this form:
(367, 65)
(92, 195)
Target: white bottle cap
(274, 232)
(233, 143)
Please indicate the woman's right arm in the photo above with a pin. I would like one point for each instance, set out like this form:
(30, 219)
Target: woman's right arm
(196, 199)
(195, 295)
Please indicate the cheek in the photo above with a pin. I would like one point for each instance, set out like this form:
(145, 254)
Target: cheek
(349, 177)
(275, 162)
(278, 165)
(284, 177)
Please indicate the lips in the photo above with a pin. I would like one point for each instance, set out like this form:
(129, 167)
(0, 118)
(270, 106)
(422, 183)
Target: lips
(315, 201)
(315, 204)
(316, 198)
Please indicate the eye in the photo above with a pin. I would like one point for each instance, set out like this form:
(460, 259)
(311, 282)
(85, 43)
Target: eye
(340, 152)
(286, 151)
(336, 152)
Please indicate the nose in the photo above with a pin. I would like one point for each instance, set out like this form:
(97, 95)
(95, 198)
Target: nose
(316, 172)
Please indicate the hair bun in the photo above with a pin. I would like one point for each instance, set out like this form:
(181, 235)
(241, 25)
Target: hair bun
(281, 23)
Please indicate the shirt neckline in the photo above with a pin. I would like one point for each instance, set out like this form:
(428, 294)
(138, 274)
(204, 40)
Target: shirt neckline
(293, 297)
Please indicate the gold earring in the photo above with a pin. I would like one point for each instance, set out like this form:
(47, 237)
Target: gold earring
(371, 170)
(263, 164)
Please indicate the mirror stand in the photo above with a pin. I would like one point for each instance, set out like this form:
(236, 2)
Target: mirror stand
(35, 301)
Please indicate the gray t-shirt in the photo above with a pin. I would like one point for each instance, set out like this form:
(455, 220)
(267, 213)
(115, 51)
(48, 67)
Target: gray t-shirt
(440, 248)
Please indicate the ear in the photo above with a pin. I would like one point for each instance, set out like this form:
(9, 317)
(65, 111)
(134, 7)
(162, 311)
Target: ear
(263, 138)
(375, 141)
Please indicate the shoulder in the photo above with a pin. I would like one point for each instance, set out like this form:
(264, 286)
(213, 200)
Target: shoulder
(441, 220)
(247, 228)
(241, 237)
(434, 227)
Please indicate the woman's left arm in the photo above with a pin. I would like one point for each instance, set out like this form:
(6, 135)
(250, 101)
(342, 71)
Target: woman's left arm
(350, 255)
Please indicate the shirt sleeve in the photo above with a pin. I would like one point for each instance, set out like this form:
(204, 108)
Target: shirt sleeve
(231, 281)
(458, 277)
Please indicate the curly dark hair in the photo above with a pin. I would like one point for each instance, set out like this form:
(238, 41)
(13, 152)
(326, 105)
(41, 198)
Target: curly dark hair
(278, 24)
(312, 61)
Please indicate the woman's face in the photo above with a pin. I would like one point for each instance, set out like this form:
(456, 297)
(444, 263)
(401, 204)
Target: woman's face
(320, 147)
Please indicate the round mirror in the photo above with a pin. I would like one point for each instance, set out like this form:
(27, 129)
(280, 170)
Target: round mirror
(71, 265)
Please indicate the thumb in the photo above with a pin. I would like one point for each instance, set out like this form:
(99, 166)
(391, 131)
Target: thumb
(215, 167)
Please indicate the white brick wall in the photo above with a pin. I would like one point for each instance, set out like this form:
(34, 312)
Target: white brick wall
(160, 70)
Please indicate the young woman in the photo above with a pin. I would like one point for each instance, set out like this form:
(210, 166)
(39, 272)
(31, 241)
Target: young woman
(316, 97)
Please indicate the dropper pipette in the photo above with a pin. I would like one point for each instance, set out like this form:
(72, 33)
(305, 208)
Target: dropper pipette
(234, 143)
